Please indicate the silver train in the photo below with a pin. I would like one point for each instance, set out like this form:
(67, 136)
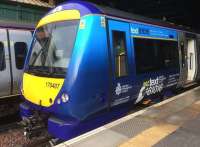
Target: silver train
(14, 44)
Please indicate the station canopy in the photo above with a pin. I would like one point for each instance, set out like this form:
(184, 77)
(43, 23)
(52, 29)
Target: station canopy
(35, 2)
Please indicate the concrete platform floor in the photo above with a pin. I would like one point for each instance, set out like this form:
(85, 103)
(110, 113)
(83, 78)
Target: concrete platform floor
(172, 123)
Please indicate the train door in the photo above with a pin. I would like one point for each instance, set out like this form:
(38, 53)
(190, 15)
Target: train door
(119, 36)
(198, 57)
(5, 78)
(19, 43)
(191, 59)
(182, 60)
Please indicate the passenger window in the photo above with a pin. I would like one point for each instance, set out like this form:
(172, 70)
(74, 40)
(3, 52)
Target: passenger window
(2, 57)
(119, 47)
(183, 54)
(20, 54)
(155, 55)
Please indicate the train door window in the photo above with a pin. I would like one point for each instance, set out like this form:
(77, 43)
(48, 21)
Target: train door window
(191, 61)
(2, 57)
(120, 51)
(182, 53)
(20, 54)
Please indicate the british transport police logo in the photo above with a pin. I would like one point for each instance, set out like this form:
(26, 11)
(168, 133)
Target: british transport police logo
(118, 89)
(122, 88)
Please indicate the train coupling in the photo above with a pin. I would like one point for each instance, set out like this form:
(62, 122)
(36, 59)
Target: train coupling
(34, 126)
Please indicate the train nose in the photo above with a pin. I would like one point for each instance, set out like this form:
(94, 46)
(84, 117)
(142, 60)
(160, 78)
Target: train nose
(42, 90)
(41, 101)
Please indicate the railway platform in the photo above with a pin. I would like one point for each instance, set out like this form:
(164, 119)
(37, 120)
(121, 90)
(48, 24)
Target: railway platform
(174, 122)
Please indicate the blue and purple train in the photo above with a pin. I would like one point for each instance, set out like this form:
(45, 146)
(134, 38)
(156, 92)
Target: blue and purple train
(88, 64)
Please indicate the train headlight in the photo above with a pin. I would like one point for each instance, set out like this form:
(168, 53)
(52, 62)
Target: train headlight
(65, 98)
(58, 101)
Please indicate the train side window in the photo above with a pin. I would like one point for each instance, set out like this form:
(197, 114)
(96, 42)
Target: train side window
(170, 55)
(146, 55)
(20, 54)
(2, 57)
(120, 52)
(155, 55)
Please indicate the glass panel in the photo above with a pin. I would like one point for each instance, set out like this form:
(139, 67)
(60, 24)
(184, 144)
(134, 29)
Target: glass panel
(2, 57)
(52, 47)
(182, 53)
(191, 61)
(20, 54)
(155, 55)
(119, 47)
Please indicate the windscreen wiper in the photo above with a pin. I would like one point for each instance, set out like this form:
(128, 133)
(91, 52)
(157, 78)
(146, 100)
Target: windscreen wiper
(43, 49)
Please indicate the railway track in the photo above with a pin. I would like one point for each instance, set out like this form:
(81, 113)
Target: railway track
(8, 127)
(13, 136)
(9, 122)
(42, 142)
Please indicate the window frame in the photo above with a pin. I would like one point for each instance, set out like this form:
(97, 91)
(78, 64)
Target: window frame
(115, 55)
(26, 51)
(160, 56)
(4, 56)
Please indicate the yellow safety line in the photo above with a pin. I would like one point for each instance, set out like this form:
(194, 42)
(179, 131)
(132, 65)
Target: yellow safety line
(151, 136)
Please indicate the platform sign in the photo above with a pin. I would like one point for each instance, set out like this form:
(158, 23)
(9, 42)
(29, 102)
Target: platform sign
(149, 31)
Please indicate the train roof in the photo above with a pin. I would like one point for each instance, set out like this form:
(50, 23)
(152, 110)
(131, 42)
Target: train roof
(86, 8)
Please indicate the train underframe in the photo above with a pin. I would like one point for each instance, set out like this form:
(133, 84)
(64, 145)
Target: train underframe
(37, 123)
(40, 124)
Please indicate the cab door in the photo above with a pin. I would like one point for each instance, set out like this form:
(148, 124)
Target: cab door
(19, 44)
(5, 78)
(119, 37)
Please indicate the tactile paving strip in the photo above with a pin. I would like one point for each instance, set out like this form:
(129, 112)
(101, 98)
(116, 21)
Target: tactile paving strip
(180, 138)
(132, 127)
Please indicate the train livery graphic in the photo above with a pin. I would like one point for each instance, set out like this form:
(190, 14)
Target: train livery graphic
(88, 64)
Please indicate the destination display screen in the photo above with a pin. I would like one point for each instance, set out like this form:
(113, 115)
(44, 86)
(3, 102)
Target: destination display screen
(150, 31)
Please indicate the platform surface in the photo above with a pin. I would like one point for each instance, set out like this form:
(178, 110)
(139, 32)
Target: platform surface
(174, 122)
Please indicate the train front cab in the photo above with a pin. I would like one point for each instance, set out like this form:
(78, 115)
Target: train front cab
(70, 93)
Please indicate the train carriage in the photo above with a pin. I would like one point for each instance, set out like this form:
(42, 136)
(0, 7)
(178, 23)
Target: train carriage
(14, 43)
(88, 63)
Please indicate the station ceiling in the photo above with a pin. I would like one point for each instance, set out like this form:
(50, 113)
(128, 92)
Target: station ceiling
(180, 12)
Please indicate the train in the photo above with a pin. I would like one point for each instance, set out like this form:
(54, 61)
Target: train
(88, 64)
(14, 44)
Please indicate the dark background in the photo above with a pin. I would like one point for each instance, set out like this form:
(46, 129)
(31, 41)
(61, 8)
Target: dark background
(180, 12)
